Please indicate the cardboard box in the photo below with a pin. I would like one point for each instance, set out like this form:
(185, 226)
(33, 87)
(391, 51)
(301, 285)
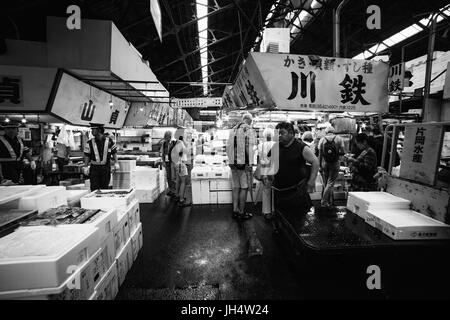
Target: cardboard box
(134, 216)
(108, 286)
(121, 231)
(39, 256)
(105, 221)
(147, 195)
(407, 225)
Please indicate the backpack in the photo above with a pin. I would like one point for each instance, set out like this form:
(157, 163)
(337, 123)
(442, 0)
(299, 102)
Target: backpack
(330, 151)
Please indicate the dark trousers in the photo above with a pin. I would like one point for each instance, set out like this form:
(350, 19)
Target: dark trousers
(169, 175)
(100, 177)
(11, 170)
(61, 162)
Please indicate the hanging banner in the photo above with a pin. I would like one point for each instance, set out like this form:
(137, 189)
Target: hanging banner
(198, 102)
(299, 82)
(79, 104)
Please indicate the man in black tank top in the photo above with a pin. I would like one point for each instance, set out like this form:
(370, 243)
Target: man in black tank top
(294, 177)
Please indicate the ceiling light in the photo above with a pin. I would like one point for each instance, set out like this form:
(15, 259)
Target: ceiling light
(6, 119)
(24, 120)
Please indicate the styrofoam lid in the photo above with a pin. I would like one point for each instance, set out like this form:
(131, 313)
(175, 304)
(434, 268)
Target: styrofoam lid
(406, 218)
(42, 241)
(377, 196)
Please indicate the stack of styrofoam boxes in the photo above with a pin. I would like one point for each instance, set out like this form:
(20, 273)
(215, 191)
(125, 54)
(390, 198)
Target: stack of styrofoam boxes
(146, 184)
(40, 199)
(220, 188)
(200, 184)
(128, 227)
(81, 186)
(317, 194)
(124, 178)
(392, 216)
(407, 225)
(49, 262)
(360, 202)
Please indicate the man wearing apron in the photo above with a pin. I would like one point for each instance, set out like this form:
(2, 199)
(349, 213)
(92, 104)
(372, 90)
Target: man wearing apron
(12, 153)
(97, 153)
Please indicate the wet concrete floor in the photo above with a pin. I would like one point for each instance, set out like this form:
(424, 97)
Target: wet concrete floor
(201, 252)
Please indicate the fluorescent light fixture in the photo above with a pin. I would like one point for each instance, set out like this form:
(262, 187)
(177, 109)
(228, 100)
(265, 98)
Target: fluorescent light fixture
(202, 23)
(6, 119)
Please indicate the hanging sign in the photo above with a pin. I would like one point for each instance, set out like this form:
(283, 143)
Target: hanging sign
(228, 99)
(79, 104)
(198, 103)
(421, 152)
(396, 76)
(299, 82)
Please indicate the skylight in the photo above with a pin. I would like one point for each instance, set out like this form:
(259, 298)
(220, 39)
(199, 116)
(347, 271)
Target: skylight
(402, 35)
(202, 11)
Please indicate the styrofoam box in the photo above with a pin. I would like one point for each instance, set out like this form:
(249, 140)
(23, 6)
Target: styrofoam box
(135, 245)
(105, 221)
(147, 195)
(108, 286)
(408, 225)
(220, 172)
(360, 202)
(133, 216)
(44, 199)
(123, 180)
(315, 195)
(123, 257)
(11, 193)
(221, 184)
(121, 231)
(120, 203)
(127, 165)
(75, 195)
(80, 186)
(79, 286)
(38, 257)
(200, 172)
(224, 197)
(146, 177)
(162, 180)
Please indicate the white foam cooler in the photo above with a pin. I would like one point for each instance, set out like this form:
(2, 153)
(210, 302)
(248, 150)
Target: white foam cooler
(38, 257)
(201, 172)
(105, 221)
(147, 195)
(407, 225)
(146, 177)
(108, 199)
(123, 258)
(121, 231)
(79, 286)
(74, 196)
(12, 193)
(360, 202)
(127, 165)
(44, 199)
(134, 217)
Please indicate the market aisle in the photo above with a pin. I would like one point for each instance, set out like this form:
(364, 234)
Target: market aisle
(200, 252)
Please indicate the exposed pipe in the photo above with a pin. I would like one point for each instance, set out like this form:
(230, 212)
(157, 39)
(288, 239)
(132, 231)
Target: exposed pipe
(336, 28)
(429, 66)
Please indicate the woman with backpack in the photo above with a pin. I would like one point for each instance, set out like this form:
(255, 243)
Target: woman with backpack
(331, 147)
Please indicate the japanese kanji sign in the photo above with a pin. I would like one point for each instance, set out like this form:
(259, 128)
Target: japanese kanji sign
(421, 152)
(79, 104)
(396, 76)
(228, 98)
(299, 82)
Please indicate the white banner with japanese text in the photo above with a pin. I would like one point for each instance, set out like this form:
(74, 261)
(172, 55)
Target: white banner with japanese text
(301, 82)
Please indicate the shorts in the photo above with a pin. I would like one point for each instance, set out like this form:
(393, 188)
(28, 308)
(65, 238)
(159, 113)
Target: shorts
(240, 178)
(182, 170)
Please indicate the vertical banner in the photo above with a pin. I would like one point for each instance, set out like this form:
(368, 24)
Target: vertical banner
(421, 152)
(396, 76)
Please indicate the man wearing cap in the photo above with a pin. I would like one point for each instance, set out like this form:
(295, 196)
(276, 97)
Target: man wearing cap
(97, 152)
(12, 153)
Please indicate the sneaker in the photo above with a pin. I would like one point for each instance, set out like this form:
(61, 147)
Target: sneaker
(245, 216)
